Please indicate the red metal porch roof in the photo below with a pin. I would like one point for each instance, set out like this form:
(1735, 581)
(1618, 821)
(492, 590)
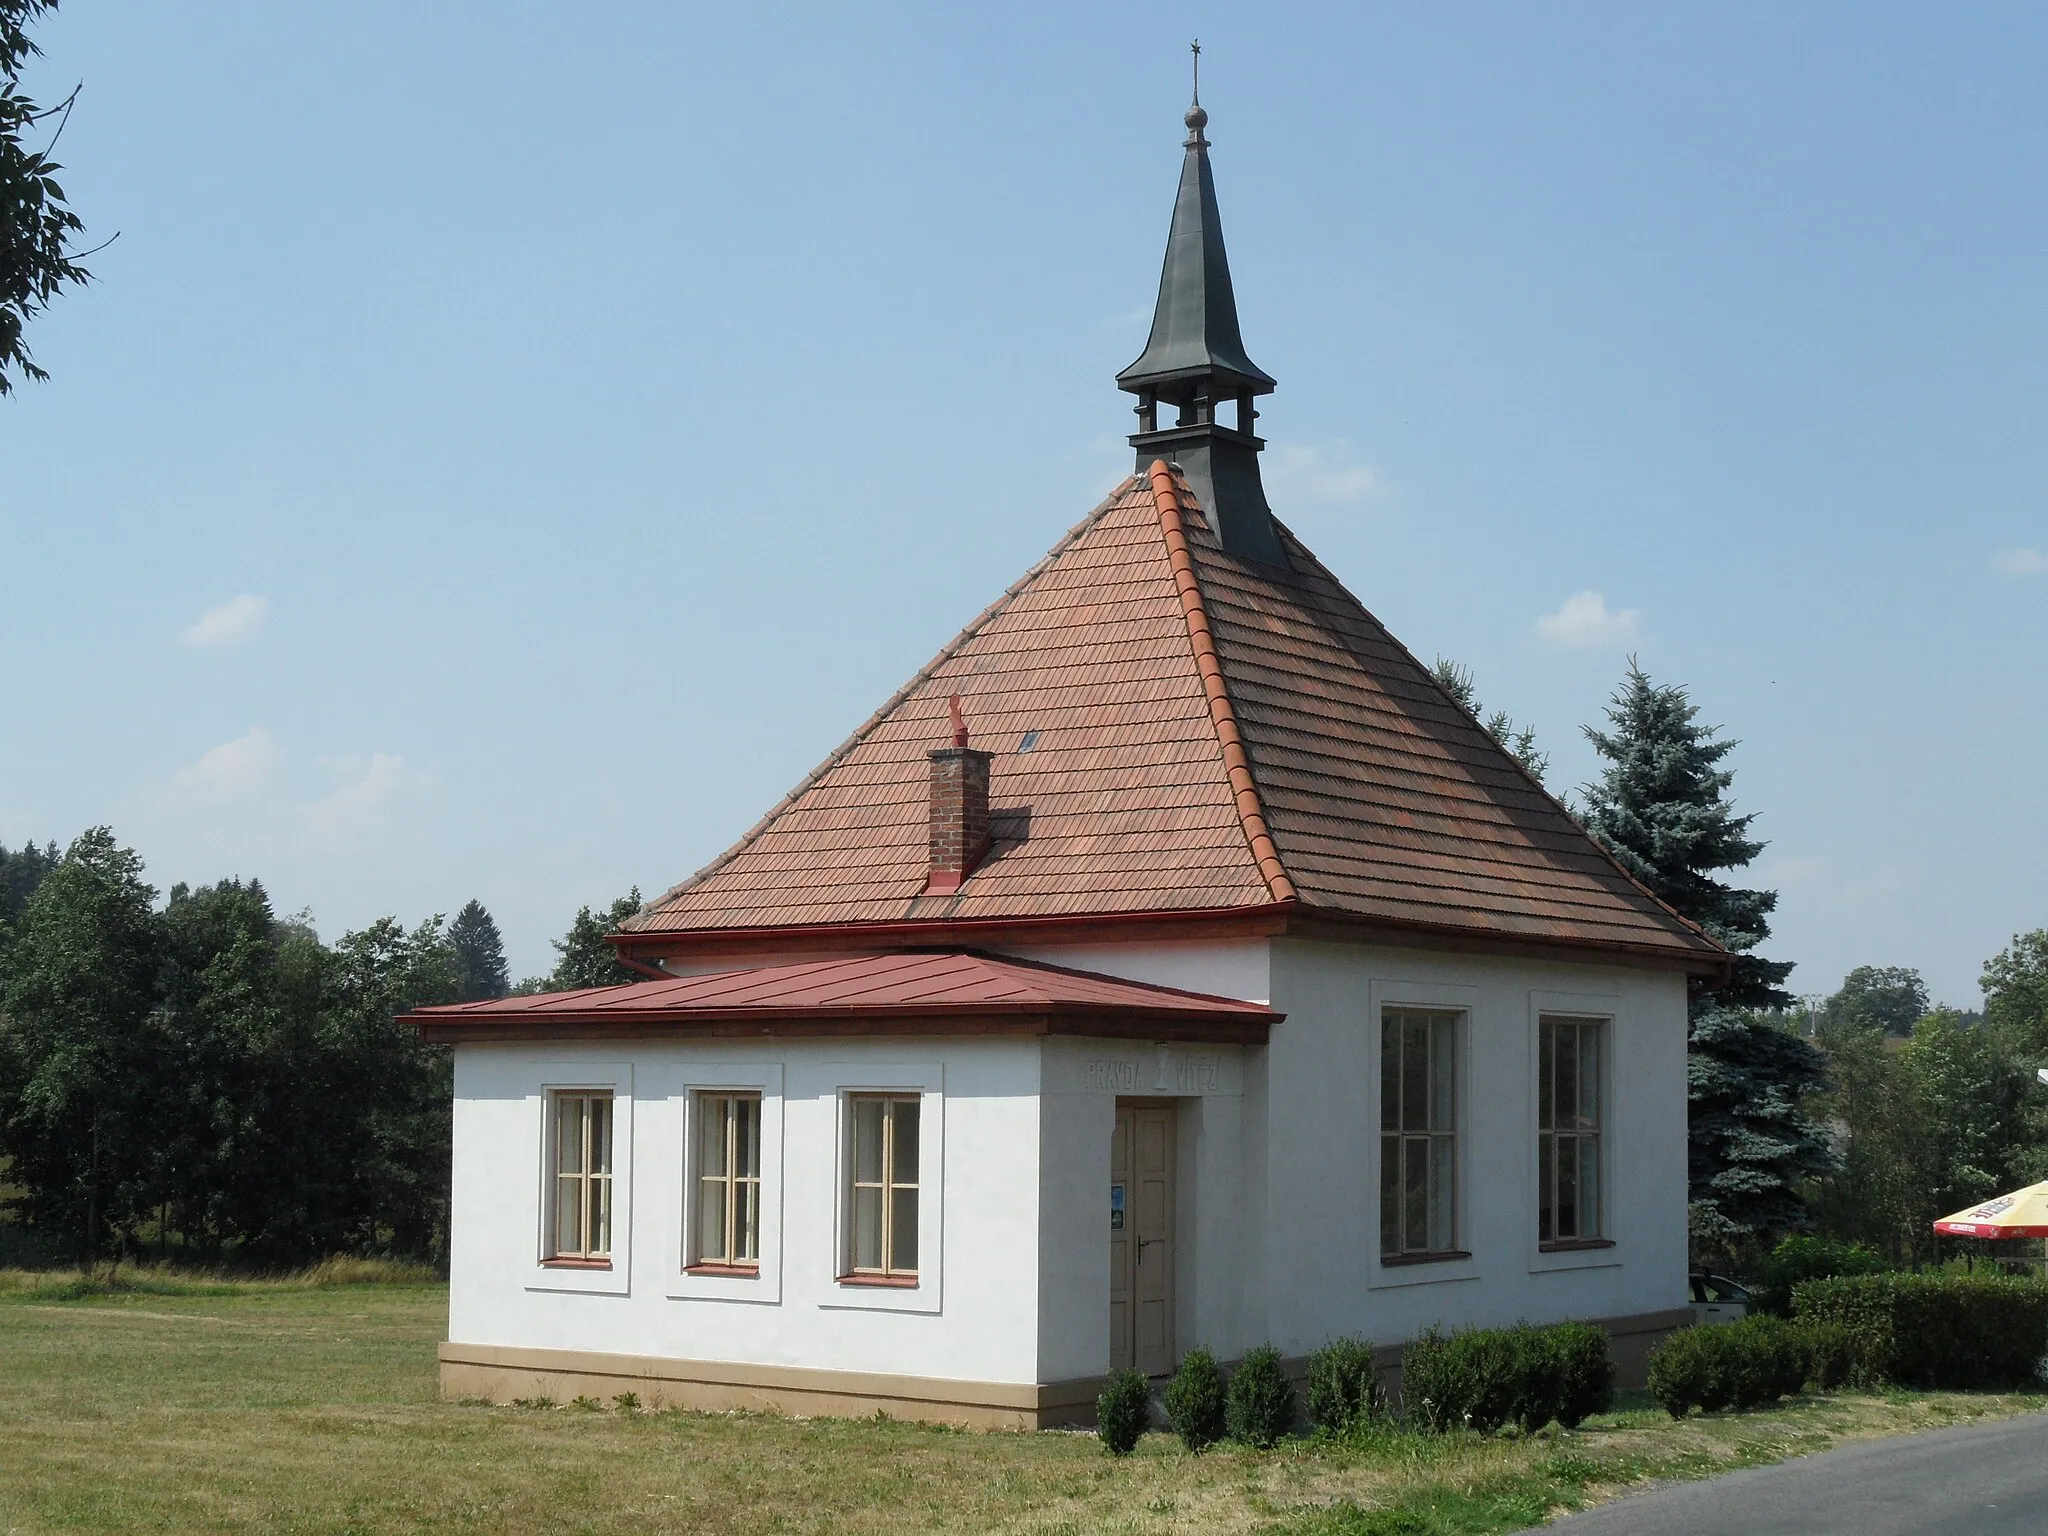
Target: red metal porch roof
(921, 992)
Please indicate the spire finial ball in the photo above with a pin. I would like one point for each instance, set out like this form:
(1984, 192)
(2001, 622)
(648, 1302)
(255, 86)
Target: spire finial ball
(1197, 118)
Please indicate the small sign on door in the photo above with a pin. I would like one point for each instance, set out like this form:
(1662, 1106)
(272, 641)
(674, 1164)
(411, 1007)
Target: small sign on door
(1116, 1207)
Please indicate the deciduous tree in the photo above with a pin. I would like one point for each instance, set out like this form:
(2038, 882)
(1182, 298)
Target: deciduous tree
(587, 960)
(37, 227)
(1886, 999)
(79, 1053)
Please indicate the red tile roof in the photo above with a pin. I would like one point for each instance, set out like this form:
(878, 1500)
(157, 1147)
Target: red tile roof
(893, 993)
(1207, 736)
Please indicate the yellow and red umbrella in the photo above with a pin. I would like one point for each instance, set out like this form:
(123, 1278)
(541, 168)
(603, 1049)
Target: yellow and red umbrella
(2023, 1213)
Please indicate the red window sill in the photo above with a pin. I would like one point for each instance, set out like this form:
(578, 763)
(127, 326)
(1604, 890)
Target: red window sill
(727, 1271)
(892, 1282)
(576, 1263)
(1574, 1244)
(1399, 1260)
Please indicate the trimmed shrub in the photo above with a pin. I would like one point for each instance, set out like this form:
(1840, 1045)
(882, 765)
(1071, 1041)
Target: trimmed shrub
(1481, 1378)
(1123, 1409)
(1678, 1371)
(1799, 1259)
(1194, 1401)
(1260, 1408)
(1585, 1372)
(1958, 1332)
(1341, 1389)
(1737, 1365)
(1459, 1380)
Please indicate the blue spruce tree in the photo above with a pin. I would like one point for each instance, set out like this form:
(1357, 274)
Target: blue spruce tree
(1661, 809)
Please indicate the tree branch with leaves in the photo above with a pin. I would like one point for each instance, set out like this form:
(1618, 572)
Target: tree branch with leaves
(38, 229)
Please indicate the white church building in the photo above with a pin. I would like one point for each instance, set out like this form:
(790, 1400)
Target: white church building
(1170, 962)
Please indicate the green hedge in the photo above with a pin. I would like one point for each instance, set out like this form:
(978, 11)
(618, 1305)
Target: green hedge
(1735, 1365)
(1799, 1259)
(1482, 1378)
(1954, 1332)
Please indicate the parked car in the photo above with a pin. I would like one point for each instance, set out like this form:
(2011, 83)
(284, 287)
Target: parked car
(1717, 1299)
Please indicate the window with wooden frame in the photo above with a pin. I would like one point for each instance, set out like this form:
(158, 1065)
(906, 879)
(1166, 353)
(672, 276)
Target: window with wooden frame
(728, 1224)
(882, 1198)
(1418, 1135)
(580, 1137)
(1569, 1101)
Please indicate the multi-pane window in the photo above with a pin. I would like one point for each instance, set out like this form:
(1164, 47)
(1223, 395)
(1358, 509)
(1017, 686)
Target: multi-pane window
(729, 1179)
(884, 1194)
(581, 1133)
(1418, 1133)
(1568, 1109)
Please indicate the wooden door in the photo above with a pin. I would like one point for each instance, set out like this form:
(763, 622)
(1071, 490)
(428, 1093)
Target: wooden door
(1141, 1239)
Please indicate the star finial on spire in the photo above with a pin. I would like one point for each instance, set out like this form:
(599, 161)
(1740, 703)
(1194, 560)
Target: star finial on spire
(1196, 119)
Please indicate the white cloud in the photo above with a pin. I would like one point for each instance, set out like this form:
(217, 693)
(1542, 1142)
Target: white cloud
(236, 620)
(2021, 562)
(1583, 623)
(232, 769)
(361, 800)
(1308, 472)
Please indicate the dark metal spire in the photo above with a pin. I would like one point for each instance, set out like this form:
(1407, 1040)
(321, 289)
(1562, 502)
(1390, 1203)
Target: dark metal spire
(1195, 360)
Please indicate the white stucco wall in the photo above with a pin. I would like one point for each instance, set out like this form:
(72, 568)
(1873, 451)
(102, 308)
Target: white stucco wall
(972, 1317)
(1279, 1172)
(1278, 1155)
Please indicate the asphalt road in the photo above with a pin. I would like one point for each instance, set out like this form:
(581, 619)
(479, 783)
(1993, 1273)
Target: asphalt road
(1983, 1480)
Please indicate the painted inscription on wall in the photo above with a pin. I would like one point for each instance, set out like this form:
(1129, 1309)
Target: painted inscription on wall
(1115, 1076)
(1178, 1074)
(1197, 1074)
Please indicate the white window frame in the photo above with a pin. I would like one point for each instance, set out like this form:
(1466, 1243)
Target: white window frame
(891, 1179)
(589, 1184)
(852, 1080)
(691, 1080)
(1429, 997)
(735, 1115)
(1609, 1252)
(573, 1077)
(1583, 1129)
(1448, 1024)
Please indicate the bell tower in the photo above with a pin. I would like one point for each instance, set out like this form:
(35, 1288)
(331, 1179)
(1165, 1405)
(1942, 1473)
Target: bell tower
(1195, 365)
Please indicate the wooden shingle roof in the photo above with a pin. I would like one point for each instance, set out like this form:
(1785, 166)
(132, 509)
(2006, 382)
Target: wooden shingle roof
(1178, 732)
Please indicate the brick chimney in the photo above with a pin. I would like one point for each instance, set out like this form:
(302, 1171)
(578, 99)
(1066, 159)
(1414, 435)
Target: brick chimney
(959, 832)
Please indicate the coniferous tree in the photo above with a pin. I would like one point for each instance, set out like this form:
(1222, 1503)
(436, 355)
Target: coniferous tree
(20, 873)
(479, 955)
(1751, 1143)
(1661, 809)
(1520, 741)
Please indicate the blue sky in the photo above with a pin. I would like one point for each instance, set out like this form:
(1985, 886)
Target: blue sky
(509, 445)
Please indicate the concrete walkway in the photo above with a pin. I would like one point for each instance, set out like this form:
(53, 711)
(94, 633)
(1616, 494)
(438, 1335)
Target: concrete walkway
(1980, 1480)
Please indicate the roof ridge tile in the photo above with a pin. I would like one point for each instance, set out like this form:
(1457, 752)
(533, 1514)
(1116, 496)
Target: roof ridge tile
(1244, 787)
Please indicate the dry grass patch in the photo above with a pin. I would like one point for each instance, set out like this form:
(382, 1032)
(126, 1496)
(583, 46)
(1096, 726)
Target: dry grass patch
(288, 1405)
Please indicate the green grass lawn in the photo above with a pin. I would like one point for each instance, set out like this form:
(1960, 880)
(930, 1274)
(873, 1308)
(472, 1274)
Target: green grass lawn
(296, 1407)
